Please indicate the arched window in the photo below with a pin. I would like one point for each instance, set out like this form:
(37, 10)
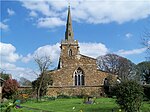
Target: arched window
(78, 77)
(70, 52)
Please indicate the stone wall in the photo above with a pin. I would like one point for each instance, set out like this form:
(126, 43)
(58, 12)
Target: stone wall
(65, 76)
(23, 88)
(74, 91)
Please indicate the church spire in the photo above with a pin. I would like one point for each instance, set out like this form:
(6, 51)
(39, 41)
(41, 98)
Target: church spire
(69, 31)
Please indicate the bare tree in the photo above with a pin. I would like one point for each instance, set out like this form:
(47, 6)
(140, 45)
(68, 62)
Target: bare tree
(117, 65)
(146, 42)
(43, 63)
(144, 71)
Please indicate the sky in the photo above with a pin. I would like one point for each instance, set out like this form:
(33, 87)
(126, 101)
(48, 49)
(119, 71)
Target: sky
(30, 27)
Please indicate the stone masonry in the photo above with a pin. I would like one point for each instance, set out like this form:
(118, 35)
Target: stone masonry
(76, 74)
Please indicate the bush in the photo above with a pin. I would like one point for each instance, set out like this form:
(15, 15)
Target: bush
(63, 96)
(146, 92)
(129, 96)
(49, 98)
(10, 88)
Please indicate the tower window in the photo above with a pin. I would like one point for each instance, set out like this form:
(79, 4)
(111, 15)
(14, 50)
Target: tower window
(69, 34)
(78, 77)
(70, 52)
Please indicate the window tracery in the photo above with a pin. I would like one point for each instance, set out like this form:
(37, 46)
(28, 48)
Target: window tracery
(78, 77)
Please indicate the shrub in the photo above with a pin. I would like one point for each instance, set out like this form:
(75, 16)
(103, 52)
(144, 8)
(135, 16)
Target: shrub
(10, 88)
(63, 96)
(147, 91)
(129, 96)
(49, 98)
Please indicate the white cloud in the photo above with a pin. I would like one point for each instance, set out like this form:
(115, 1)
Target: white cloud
(149, 42)
(50, 22)
(33, 14)
(10, 12)
(48, 50)
(39, 6)
(8, 52)
(93, 12)
(93, 49)
(27, 58)
(18, 72)
(128, 35)
(3, 26)
(11, 67)
(8, 58)
(131, 52)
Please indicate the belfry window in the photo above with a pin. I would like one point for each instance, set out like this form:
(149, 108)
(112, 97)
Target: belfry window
(70, 52)
(69, 34)
(78, 77)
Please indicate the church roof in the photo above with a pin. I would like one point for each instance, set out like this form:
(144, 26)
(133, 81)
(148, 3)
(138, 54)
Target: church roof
(87, 56)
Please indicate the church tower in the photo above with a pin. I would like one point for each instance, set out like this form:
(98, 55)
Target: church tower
(69, 46)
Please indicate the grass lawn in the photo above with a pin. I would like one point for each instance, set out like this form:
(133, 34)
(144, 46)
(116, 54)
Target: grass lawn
(67, 105)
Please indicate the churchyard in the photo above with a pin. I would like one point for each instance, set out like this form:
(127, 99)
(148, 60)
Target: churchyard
(73, 105)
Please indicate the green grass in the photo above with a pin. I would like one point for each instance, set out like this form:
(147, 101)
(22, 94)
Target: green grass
(66, 105)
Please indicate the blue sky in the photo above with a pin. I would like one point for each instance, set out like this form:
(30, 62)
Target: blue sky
(100, 26)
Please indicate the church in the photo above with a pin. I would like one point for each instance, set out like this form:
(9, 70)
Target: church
(76, 74)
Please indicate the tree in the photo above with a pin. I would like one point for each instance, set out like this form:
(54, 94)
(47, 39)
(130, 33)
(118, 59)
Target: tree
(129, 95)
(10, 88)
(144, 71)
(4, 76)
(43, 63)
(146, 41)
(117, 65)
(46, 81)
(25, 82)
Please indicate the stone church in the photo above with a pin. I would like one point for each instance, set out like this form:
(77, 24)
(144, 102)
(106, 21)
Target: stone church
(76, 74)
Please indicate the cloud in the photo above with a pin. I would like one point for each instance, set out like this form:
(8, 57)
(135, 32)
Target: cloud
(48, 50)
(33, 14)
(8, 52)
(93, 49)
(131, 52)
(94, 12)
(18, 72)
(50, 22)
(4, 26)
(41, 7)
(8, 60)
(148, 42)
(128, 35)
(27, 58)
(10, 12)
